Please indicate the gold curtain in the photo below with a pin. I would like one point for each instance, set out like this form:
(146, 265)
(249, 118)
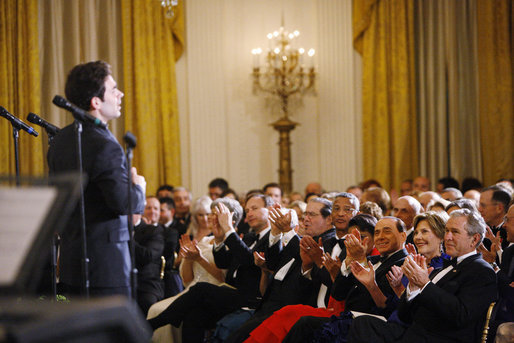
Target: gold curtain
(384, 35)
(20, 84)
(151, 45)
(496, 93)
(73, 32)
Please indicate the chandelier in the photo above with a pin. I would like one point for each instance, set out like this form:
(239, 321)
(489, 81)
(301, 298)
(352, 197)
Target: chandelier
(286, 71)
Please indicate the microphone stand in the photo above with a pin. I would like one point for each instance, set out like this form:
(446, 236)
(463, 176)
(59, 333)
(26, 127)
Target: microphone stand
(55, 243)
(16, 135)
(85, 259)
(130, 143)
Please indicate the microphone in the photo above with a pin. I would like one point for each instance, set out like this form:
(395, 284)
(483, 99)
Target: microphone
(130, 140)
(16, 122)
(78, 113)
(51, 130)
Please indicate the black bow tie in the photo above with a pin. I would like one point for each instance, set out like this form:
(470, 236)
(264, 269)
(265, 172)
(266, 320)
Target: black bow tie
(250, 238)
(382, 258)
(452, 262)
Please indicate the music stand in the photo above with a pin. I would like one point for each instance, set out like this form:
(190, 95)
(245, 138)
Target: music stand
(31, 214)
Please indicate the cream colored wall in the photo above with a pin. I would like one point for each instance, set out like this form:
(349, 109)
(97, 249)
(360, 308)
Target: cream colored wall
(225, 128)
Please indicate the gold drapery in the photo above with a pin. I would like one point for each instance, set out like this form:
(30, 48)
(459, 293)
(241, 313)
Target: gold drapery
(151, 45)
(73, 32)
(19, 83)
(384, 34)
(495, 21)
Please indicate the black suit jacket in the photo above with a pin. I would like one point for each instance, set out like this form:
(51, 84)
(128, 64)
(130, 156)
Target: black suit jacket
(237, 258)
(287, 291)
(148, 248)
(453, 310)
(322, 273)
(106, 207)
(355, 294)
(318, 276)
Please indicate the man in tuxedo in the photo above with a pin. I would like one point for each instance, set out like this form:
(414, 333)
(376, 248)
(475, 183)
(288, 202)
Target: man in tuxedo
(92, 88)
(449, 306)
(389, 238)
(344, 208)
(204, 304)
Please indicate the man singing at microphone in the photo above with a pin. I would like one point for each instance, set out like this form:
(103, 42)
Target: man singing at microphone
(92, 88)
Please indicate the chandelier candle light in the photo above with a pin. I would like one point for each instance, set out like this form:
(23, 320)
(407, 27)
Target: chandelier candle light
(287, 71)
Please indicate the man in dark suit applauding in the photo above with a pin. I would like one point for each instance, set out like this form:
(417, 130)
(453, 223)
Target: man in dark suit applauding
(448, 307)
(91, 87)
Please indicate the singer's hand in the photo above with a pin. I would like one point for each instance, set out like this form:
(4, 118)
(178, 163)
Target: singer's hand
(138, 179)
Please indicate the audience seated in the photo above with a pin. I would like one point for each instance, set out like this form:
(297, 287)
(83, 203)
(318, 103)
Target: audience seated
(291, 285)
(363, 281)
(446, 306)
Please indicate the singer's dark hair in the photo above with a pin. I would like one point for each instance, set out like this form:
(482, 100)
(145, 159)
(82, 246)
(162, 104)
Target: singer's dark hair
(85, 81)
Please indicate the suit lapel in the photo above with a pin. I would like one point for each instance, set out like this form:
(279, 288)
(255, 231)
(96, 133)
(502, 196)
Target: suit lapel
(389, 262)
(261, 243)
